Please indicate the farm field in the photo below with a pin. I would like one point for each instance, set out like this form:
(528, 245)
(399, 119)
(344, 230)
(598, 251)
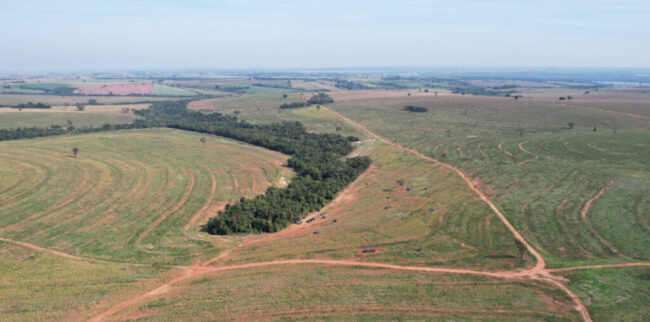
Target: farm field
(119, 89)
(545, 168)
(55, 100)
(613, 293)
(37, 285)
(246, 101)
(351, 293)
(122, 202)
(164, 90)
(48, 117)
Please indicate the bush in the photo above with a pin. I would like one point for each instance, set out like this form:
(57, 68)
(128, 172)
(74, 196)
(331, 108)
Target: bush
(412, 108)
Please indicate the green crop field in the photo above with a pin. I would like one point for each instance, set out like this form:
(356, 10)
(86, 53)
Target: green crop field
(354, 293)
(164, 90)
(547, 173)
(128, 194)
(247, 101)
(42, 119)
(40, 286)
(613, 294)
(437, 223)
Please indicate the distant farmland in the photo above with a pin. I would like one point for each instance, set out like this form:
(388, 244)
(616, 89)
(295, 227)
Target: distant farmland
(120, 89)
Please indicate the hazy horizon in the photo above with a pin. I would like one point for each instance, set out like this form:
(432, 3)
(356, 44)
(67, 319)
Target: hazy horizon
(128, 35)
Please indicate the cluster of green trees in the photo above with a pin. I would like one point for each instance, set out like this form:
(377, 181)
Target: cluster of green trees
(346, 84)
(292, 105)
(31, 105)
(320, 99)
(318, 160)
(412, 108)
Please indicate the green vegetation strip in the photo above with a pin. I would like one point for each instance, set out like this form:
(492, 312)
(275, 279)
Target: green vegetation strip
(316, 158)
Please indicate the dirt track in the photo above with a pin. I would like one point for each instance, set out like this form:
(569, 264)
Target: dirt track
(593, 230)
(521, 147)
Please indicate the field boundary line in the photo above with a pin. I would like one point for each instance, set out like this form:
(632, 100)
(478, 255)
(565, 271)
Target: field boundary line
(70, 256)
(628, 264)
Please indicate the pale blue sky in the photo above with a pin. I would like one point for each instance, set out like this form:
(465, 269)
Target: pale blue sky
(140, 34)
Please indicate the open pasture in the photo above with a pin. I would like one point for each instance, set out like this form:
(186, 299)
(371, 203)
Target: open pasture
(246, 101)
(129, 195)
(11, 118)
(613, 294)
(41, 286)
(536, 169)
(326, 292)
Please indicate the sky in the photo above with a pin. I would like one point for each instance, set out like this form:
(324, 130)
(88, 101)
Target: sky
(38, 35)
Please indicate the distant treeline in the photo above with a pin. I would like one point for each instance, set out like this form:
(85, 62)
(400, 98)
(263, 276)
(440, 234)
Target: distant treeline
(31, 105)
(292, 105)
(319, 99)
(346, 84)
(33, 132)
(317, 159)
(412, 108)
(472, 90)
(233, 89)
(286, 85)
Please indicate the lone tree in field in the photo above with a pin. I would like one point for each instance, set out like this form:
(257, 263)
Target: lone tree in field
(400, 182)
(284, 95)
(75, 151)
(571, 125)
(203, 140)
(521, 247)
(80, 107)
